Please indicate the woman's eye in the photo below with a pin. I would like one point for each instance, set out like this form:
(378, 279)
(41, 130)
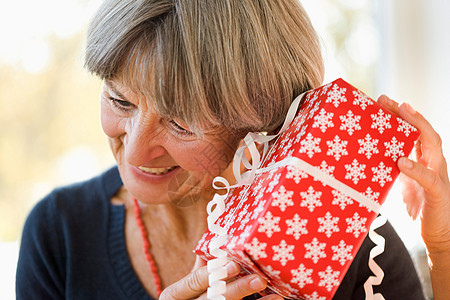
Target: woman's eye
(179, 129)
(121, 104)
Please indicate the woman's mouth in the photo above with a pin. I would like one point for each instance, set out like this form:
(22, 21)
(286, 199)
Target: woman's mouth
(157, 171)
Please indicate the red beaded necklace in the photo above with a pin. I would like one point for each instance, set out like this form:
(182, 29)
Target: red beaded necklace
(146, 242)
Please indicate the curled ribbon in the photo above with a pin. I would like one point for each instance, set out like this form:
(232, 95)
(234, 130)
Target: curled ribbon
(216, 267)
(216, 207)
(216, 279)
(373, 266)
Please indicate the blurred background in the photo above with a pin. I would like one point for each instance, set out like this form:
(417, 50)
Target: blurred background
(50, 131)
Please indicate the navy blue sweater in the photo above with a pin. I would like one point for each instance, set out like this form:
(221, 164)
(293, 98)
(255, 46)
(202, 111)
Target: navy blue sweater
(73, 247)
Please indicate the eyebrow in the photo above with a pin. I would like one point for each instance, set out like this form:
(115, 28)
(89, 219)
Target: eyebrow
(111, 86)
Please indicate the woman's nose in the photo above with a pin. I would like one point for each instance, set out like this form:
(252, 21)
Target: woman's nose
(143, 142)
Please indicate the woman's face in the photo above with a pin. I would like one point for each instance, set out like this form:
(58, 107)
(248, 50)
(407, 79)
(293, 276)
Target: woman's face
(160, 160)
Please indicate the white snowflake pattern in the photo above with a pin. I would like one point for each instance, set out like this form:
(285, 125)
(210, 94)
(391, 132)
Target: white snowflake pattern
(337, 148)
(296, 226)
(258, 210)
(301, 133)
(245, 221)
(201, 242)
(382, 174)
(314, 109)
(269, 224)
(381, 121)
(394, 149)
(323, 120)
(283, 252)
(371, 195)
(311, 199)
(350, 122)
(325, 88)
(257, 186)
(301, 276)
(233, 242)
(315, 296)
(272, 174)
(405, 127)
(260, 195)
(282, 141)
(299, 119)
(290, 152)
(295, 173)
(243, 213)
(355, 225)
(256, 249)
(329, 278)
(326, 169)
(273, 160)
(287, 147)
(336, 95)
(315, 250)
(273, 182)
(328, 224)
(362, 100)
(230, 230)
(282, 198)
(342, 252)
(355, 171)
(368, 146)
(341, 199)
(310, 145)
(244, 235)
(271, 272)
(243, 194)
(288, 287)
(311, 99)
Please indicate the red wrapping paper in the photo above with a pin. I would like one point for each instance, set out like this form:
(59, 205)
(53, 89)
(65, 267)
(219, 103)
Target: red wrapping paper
(294, 229)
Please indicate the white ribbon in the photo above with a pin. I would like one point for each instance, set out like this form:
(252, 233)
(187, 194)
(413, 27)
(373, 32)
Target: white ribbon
(216, 267)
(216, 207)
(373, 266)
(216, 279)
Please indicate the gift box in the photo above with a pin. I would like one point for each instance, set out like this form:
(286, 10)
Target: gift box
(306, 212)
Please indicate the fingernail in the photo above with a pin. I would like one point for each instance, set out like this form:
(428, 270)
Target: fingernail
(257, 283)
(409, 108)
(386, 100)
(231, 267)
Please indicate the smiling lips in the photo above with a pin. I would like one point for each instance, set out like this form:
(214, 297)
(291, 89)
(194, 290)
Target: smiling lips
(157, 171)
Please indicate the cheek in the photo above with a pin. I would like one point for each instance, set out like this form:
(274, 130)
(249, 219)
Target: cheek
(111, 123)
(212, 158)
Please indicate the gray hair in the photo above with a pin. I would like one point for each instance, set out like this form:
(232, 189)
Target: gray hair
(232, 63)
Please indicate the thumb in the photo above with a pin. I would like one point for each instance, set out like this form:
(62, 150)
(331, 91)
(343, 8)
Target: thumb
(199, 262)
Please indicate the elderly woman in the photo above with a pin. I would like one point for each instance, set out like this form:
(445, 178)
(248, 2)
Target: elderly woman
(184, 81)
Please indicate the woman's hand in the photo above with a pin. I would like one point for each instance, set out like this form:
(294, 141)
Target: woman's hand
(195, 284)
(427, 190)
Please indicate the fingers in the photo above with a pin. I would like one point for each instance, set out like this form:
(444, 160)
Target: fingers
(194, 284)
(242, 287)
(427, 178)
(199, 262)
(389, 104)
(431, 142)
(429, 146)
(189, 287)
